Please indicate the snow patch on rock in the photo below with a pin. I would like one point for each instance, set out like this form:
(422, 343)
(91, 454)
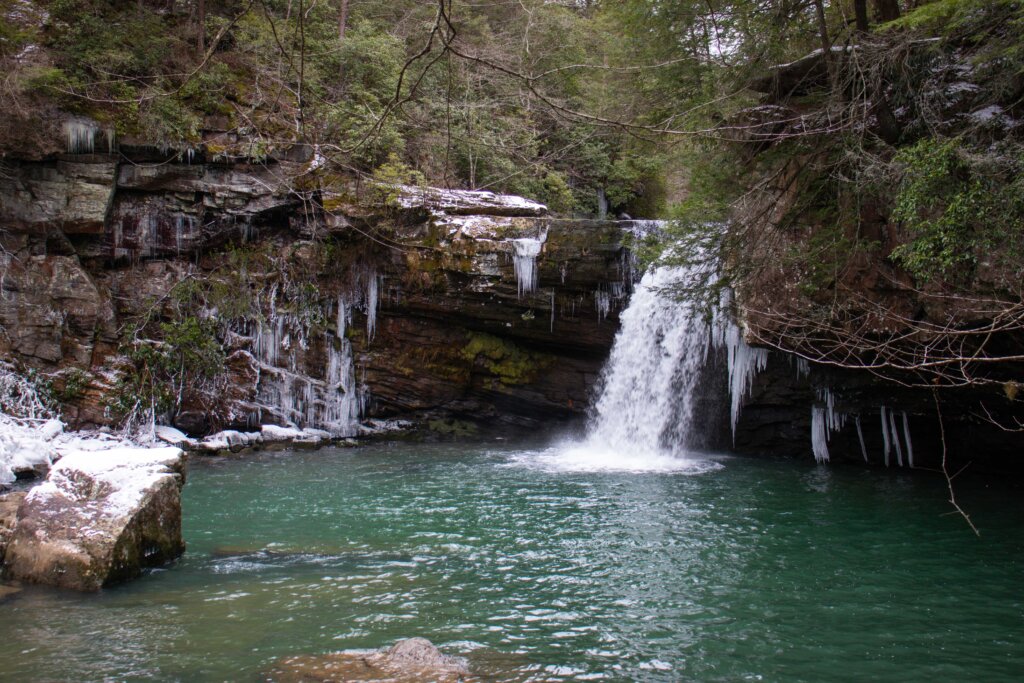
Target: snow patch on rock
(467, 202)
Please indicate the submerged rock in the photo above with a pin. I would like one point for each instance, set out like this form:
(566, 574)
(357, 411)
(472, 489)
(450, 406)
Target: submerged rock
(100, 517)
(413, 660)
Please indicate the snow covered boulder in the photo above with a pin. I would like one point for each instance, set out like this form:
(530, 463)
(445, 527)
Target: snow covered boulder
(100, 517)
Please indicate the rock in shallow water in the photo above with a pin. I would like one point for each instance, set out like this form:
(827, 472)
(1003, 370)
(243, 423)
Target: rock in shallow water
(100, 517)
(414, 660)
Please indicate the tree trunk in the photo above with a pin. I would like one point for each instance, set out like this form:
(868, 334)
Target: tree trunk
(826, 44)
(342, 19)
(201, 25)
(342, 25)
(860, 11)
(887, 10)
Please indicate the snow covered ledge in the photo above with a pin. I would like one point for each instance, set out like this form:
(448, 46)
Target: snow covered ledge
(106, 511)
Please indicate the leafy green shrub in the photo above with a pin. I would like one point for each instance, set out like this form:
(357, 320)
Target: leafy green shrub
(390, 176)
(955, 206)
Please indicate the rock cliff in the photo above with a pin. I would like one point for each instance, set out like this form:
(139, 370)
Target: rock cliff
(447, 306)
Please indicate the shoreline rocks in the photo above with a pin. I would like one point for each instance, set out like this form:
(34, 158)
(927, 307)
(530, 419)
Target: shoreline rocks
(99, 517)
(413, 660)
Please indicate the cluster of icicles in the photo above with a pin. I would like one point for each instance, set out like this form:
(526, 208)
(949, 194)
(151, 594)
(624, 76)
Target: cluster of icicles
(334, 403)
(825, 419)
(82, 137)
(609, 296)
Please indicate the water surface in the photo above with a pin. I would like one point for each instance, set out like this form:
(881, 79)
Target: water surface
(733, 569)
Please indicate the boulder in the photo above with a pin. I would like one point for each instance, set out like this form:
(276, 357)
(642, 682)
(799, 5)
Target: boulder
(413, 660)
(100, 517)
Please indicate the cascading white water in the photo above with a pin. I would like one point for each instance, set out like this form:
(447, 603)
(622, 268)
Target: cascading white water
(652, 372)
(646, 415)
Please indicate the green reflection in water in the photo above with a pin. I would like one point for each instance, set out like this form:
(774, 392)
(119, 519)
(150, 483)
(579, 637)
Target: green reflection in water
(759, 570)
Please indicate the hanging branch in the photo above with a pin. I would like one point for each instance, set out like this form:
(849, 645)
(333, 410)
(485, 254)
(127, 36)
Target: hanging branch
(945, 470)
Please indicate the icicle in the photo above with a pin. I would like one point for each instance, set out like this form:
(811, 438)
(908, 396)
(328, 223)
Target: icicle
(371, 307)
(182, 225)
(342, 317)
(744, 364)
(906, 435)
(860, 436)
(552, 328)
(819, 434)
(524, 259)
(885, 436)
(81, 137)
(896, 439)
(332, 403)
(602, 303)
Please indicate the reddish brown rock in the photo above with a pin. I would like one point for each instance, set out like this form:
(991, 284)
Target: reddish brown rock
(9, 504)
(414, 660)
(100, 517)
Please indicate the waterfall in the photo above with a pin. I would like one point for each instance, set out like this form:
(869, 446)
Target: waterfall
(646, 417)
(651, 375)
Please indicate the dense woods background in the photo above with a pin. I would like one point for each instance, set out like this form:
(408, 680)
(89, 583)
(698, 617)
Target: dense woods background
(853, 168)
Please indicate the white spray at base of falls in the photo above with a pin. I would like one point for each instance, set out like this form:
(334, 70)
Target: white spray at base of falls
(645, 417)
(653, 369)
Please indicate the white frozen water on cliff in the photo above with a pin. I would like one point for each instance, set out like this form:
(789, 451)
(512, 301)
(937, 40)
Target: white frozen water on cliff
(745, 362)
(81, 136)
(819, 434)
(331, 402)
(524, 259)
(885, 436)
(906, 435)
(825, 420)
(372, 302)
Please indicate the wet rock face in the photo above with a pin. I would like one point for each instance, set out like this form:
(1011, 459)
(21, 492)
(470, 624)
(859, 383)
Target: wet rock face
(99, 518)
(414, 660)
(485, 309)
(458, 335)
(9, 504)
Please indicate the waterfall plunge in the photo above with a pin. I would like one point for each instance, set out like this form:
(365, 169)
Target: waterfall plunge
(651, 375)
(646, 416)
